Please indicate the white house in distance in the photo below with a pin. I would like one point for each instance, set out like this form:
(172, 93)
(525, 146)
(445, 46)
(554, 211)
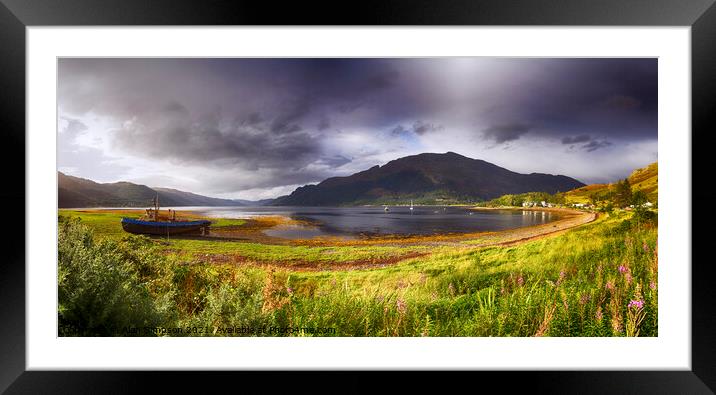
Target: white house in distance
(536, 204)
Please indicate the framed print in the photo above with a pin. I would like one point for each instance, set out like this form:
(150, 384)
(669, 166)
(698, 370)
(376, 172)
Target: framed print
(400, 188)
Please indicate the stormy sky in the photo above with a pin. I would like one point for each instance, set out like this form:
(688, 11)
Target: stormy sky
(258, 128)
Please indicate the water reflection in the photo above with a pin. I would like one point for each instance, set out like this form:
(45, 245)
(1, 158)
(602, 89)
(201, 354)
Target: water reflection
(353, 221)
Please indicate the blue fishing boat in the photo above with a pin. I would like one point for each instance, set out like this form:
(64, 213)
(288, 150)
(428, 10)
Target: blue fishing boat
(163, 228)
(151, 225)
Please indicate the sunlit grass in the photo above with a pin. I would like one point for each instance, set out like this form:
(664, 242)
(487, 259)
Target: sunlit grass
(599, 279)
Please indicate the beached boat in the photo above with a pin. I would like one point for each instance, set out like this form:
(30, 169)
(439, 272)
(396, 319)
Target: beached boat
(150, 224)
(163, 228)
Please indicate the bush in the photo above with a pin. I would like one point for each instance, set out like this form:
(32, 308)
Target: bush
(99, 287)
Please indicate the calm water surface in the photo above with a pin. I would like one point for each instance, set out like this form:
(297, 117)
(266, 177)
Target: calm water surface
(350, 222)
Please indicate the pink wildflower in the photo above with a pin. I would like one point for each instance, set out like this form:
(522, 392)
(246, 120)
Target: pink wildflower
(638, 304)
(402, 306)
(584, 299)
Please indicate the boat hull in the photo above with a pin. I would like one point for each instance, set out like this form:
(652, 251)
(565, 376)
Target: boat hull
(163, 228)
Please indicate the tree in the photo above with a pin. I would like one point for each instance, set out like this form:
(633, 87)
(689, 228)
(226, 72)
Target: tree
(641, 213)
(623, 194)
(638, 199)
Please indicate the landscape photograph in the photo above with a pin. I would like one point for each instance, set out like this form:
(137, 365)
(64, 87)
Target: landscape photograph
(357, 197)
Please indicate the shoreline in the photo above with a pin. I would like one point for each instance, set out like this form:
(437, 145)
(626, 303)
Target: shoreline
(253, 230)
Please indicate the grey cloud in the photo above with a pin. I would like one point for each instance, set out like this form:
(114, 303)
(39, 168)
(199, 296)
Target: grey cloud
(205, 140)
(175, 107)
(421, 128)
(279, 116)
(382, 80)
(73, 129)
(622, 102)
(290, 113)
(334, 161)
(323, 124)
(575, 139)
(506, 132)
(595, 145)
(398, 130)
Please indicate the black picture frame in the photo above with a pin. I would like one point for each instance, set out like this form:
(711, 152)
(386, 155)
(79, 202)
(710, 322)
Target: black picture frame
(16, 15)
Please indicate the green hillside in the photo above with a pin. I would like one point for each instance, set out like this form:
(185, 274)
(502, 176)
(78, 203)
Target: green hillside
(644, 179)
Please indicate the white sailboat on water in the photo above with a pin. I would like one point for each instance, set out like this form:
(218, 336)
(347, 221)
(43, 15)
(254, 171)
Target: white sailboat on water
(411, 204)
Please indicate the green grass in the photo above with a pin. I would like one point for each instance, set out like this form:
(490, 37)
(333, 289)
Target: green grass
(645, 179)
(107, 226)
(566, 285)
(219, 222)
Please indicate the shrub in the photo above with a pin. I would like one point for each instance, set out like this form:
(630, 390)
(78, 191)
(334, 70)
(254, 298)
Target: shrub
(99, 287)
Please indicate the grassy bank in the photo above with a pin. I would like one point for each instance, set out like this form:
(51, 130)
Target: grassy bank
(599, 279)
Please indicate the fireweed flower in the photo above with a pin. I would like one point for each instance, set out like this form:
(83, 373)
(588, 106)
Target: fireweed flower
(562, 275)
(520, 281)
(652, 285)
(289, 290)
(638, 304)
(401, 305)
(623, 269)
(584, 299)
(598, 315)
(645, 247)
(610, 285)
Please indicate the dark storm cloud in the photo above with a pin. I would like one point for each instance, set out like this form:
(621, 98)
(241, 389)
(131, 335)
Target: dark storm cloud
(324, 123)
(296, 119)
(182, 139)
(507, 132)
(621, 102)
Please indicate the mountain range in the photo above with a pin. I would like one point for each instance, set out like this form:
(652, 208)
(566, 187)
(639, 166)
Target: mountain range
(424, 178)
(78, 192)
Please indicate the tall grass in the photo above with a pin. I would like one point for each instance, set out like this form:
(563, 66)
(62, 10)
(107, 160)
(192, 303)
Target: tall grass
(597, 280)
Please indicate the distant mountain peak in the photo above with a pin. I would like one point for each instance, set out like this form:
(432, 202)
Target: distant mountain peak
(437, 176)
